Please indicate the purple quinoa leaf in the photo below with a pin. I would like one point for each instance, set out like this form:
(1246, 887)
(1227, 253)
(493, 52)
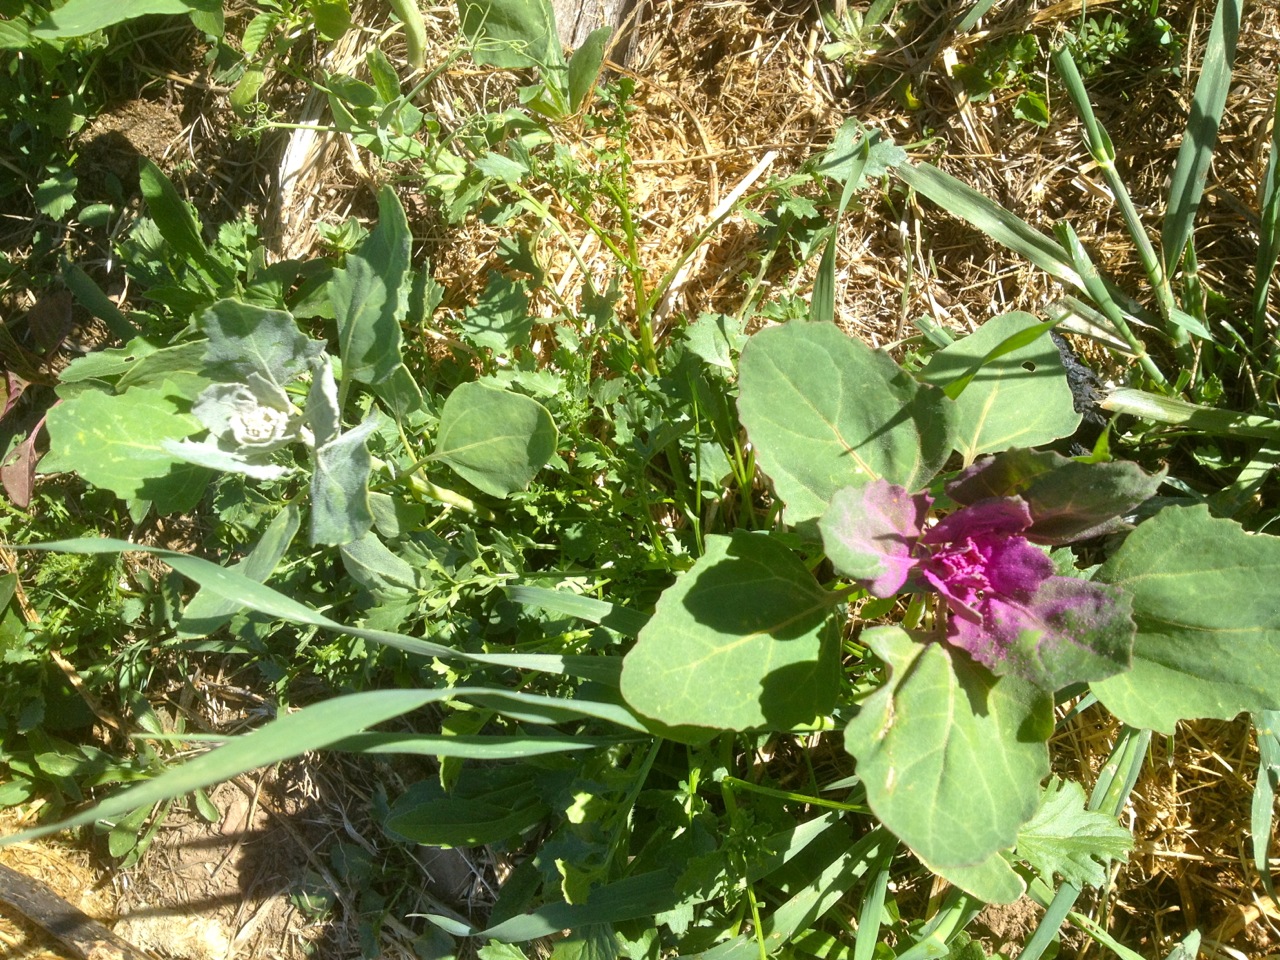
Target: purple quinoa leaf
(1007, 517)
(988, 563)
(1070, 631)
(1082, 500)
(1006, 474)
(870, 533)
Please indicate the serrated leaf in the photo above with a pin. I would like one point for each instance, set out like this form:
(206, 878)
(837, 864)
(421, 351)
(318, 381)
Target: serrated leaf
(495, 439)
(826, 412)
(257, 31)
(245, 338)
(744, 640)
(340, 487)
(56, 196)
(1208, 641)
(117, 442)
(951, 756)
(1066, 839)
(1020, 399)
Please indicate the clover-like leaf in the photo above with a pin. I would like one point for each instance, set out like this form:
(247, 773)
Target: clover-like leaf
(1020, 398)
(825, 412)
(744, 640)
(1065, 838)
(950, 755)
(1208, 625)
(495, 439)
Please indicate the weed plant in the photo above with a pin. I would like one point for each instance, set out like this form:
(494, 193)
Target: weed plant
(718, 640)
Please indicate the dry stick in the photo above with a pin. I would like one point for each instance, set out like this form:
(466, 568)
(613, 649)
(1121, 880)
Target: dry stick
(85, 937)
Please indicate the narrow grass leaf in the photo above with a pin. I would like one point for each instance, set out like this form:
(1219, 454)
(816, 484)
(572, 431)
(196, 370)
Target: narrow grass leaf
(312, 728)
(614, 616)
(1266, 727)
(1186, 185)
(1006, 228)
(251, 595)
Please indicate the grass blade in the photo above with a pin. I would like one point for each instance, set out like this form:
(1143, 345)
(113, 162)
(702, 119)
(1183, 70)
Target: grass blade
(995, 221)
(1269, 230)
(312, 728)
(1196, 153)
(1266, 726)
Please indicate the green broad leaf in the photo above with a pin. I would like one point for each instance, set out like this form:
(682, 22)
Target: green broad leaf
(826, 412)
(290, 735)
(511, 34)
(371, 296)
(372, 565)
(333, 18)
(584, 66)
(1064, 838)
(179, 366)
(117, 443)
(500, 319)
(1020, 399)
(950, 755)
(56, 196)
(172, 215)
(488, 805)
(208, 611)
(744, 640)
(1208, 641)
(340, 510)
(76, 18)
(494, 439)
(102, 364)
(245, 338)
(991, 881)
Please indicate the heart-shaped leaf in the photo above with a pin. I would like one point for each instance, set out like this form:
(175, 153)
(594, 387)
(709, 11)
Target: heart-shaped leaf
(119, 443)
(744, 640)
(826, 412)
(1204, 600)
(951, 756)
(494, 439)
(1018, 399)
